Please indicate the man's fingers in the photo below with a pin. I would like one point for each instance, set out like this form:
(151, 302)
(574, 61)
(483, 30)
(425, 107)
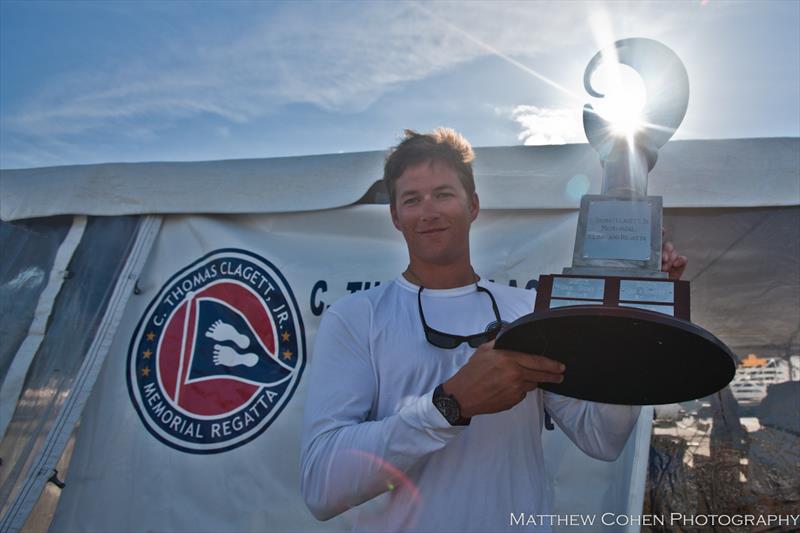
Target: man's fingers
(536, 376)
(668, 253)
(668, 256)
(677, 267)
(669, 260)
(489, 345)
(538, 362)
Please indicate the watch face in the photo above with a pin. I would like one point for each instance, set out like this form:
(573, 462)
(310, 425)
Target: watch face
(448, 408)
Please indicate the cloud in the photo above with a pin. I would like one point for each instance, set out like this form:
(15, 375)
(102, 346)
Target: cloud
(542, 126)
(340, 57)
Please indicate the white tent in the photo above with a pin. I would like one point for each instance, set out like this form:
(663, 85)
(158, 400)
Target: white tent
(98, 258)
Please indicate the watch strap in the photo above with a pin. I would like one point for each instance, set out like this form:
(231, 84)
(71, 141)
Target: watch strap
(449, 407)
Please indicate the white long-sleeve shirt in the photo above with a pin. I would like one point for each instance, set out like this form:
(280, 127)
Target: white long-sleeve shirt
(370, 426)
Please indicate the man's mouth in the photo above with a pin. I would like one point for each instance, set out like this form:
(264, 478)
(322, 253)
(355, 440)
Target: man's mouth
(433, 230)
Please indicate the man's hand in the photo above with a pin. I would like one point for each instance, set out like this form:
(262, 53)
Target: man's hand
(671, 262)
(496, 380)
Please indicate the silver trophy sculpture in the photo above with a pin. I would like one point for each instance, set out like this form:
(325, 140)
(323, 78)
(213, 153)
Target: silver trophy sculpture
(619, 230)
(621, 327)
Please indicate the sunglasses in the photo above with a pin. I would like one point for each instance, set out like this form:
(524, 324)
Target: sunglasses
(449, 341)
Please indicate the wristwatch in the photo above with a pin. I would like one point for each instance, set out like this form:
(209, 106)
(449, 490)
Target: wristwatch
(448, 406)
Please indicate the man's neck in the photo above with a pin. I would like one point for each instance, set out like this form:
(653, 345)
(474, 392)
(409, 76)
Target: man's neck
(440, 276)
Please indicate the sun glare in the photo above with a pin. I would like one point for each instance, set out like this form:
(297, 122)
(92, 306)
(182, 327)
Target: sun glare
(624, 97)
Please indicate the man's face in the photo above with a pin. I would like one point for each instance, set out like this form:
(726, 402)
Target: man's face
(434, 212)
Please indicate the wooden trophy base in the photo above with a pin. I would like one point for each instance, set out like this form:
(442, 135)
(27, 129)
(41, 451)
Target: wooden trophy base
(624, 344)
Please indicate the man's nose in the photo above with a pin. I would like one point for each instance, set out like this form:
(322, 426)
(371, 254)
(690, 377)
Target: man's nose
(429, 210)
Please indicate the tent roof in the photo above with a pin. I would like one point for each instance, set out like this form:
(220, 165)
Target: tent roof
(699, 173)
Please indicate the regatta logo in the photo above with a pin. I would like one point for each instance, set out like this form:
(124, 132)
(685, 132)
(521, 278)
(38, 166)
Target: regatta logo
(217, 354)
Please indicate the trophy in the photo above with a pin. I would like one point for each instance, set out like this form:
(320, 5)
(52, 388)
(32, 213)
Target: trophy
(621, 327)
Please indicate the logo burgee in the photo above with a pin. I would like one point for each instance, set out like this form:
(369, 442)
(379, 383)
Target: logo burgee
(217, 354)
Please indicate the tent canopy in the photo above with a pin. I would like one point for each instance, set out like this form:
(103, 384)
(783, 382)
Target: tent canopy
(713, 173)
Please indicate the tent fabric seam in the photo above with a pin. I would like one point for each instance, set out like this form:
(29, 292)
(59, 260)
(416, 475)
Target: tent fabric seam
(14, 381)
(56, 441)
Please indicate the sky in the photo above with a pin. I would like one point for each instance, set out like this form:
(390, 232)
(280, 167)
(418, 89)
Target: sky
(115, 81)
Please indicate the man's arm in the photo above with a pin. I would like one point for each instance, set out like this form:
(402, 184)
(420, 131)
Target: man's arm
(600, 430)
(496, 380)
(671, 261)
(346, 459)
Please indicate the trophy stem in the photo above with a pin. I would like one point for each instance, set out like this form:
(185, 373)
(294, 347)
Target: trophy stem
(625, 171)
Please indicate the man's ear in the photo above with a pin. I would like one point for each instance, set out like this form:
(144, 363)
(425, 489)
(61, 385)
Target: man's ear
(395, 221)
(474, 207)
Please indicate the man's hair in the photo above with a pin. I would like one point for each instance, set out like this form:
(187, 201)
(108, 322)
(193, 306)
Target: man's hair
(442, 145)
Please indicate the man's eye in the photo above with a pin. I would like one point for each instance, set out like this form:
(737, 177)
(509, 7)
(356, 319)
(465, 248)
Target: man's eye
(409, 201)
(445, 194)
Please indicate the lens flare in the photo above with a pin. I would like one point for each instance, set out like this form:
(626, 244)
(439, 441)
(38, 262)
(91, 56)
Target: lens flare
(373, 514)
(624, 100)
(577, 186)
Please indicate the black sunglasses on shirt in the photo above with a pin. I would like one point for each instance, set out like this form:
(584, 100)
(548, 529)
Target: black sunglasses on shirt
(449, 341)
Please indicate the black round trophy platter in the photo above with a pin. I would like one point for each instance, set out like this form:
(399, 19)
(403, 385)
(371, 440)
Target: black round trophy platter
(623, 356)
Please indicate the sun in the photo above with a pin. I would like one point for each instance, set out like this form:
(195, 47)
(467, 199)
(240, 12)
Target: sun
(624, 97)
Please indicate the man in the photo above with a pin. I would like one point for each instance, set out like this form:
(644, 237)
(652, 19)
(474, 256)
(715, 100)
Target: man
(400, 400)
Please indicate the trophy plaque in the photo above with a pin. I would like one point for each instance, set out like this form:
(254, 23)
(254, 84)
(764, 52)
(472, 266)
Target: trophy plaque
(620, 325)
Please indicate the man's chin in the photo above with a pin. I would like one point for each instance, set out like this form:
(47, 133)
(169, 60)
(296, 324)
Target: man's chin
(439, 257)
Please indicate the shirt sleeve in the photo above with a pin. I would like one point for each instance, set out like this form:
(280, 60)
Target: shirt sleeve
(599, 429)
(348, 459)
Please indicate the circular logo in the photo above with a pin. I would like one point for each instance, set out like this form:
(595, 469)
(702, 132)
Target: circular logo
(217, 354)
